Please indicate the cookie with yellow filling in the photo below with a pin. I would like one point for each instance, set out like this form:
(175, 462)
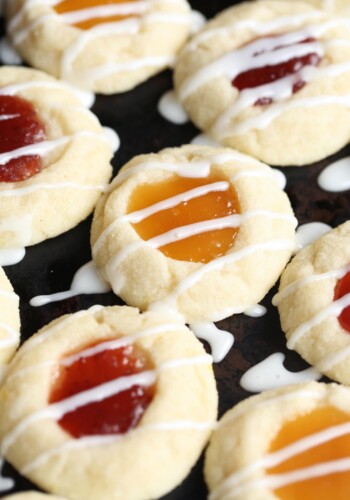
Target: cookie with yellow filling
(106, 46)
(101, 397)
(292, 442)
(270, 78)
(198, 232)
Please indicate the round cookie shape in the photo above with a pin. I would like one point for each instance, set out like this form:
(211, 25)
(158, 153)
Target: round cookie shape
(310, 308)
(106, 46)
(32, 495)
(74, 155)
(172, 430)
(291, 442)
(10, 320)
(144, 276)
(270, 78)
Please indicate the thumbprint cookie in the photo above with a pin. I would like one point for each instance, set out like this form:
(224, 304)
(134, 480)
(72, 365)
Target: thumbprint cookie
(288, 443)
(199, 232)
(314, 304)
(108, 403)
(104, 45)
(271, 79)
(10, 321)
(54, 157)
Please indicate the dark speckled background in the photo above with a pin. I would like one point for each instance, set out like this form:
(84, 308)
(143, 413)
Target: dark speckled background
(50, 266)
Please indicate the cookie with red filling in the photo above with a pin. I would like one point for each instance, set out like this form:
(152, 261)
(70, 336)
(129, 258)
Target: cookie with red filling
(54, 157)
(97, 403)
(314, 303)
(271, 79)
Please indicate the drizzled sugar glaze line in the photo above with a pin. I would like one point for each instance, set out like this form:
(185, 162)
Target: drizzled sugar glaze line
(256, 27)
(307, 280)
(45, 147)
(86, 98)
(242, 478)
(55, 411)
(99, 348)
(102, 440)
(332, 310)
(183, 232)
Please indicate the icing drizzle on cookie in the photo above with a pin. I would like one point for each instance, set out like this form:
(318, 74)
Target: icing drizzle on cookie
(271, 373)
(334, 309)
(263, 52)
(101, 21)
(336, 176)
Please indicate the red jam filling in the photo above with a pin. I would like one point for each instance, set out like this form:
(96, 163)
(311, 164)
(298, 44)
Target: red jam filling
(263, 75)
(114, 415)
(341, 289)
(19, 126)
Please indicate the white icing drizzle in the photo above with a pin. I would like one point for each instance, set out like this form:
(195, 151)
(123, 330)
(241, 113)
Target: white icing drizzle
(204, 140)
(333, 309)
(6, 483)
(101, 347)
(293, 287)
(86, 98)
(112, 137)
(45, 147)
(169, 303)
(11, 336)
(56, 411)
(264, 52)
(170, 109)
(256, 311)
(280, 178)
(7, 117)
(21, 228)
(308, 233)
(257, 54)
(8, 54)
(220, 341)
(241, 480)
(85, 281)
(336, 177)
(271, 373)
(129, 26)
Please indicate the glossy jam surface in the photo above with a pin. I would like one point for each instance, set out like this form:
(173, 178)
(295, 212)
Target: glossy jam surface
(19, 126)
(93, 20)
(114, 415)
(334, 486)
(256, 77)
(341, 289)
(199, 248)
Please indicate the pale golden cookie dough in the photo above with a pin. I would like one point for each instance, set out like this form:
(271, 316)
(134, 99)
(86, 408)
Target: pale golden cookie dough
(143, 463)
(10, 320)
(111, 57)
(144, 277)
(336, 6)
(32, 495)
(325, 345)
(76, 170)
(245, 432)
(291, 131)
